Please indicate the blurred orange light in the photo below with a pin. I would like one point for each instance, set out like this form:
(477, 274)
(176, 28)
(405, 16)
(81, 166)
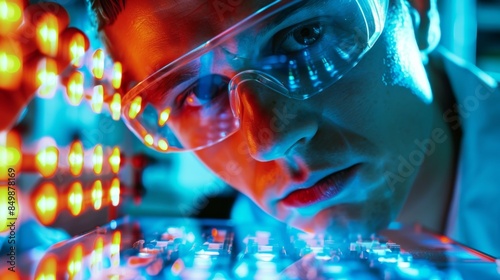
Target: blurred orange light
(97, 159)
(115, 248)
(97, 255)
(75, 198)
(47, 32)
(11, 13)
(46, 161)
(98, 64)
(177, 267)
(97, 194)
(214, 232)
(74, 89)
(9, 156)
(45, 200)
(77, 49)
(6, 202)
(114, 160)
(75, 261)
(117, 75)
(135, 107)
(47, 268)
(114, 192)
(148, 139)
(97, 99)
(10, 152)
(46, 78)
(11, 64)
(115, 106)
(75, 158)
(164, 117)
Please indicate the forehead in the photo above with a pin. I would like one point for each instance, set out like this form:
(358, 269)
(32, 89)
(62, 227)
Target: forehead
(148, 34)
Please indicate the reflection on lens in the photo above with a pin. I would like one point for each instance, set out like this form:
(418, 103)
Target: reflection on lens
(148, 139)
(164, 117)
(162, 144)
(135, 107)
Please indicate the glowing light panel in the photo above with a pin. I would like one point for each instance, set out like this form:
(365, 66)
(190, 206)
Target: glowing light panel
(114, 160)
(46, 78)
(75, 158)
(46, 161)
(114, 192)
(98, 99)
(97, 194)
(47, 34)
(98, 64)
(74, 88)
(115, 106)
(76, 49)
(46, 201)
(75, 198)
(97, 159)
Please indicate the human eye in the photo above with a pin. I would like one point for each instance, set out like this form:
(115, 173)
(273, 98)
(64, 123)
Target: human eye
(307, 34)
(203, 92)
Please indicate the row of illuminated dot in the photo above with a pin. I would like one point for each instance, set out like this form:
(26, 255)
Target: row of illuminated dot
(45, 77)
(133, 112)
(47, 202)
(50, 265)
(47, 160)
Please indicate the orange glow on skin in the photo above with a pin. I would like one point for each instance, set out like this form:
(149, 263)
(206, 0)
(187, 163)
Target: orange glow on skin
(75, 89)
(75, 198)
(75, 158)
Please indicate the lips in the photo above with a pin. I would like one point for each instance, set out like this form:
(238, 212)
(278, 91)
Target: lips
(324, 189)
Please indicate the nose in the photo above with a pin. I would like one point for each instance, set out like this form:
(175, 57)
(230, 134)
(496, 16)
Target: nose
(273, 124)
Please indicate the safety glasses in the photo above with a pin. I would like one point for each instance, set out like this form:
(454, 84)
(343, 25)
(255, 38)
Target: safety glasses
(294, 48)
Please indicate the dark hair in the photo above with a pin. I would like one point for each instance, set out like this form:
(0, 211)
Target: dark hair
(104, 12)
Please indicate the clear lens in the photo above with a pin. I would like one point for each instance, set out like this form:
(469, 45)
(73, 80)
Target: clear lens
(298, 48)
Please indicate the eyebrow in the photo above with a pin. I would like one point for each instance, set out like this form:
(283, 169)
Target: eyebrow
(170, 81)
(285, 14)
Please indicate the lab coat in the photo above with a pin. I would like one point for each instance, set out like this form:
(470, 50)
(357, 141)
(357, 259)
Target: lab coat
(474, 217)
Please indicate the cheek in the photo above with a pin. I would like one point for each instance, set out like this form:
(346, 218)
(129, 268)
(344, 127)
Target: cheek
(231, 161)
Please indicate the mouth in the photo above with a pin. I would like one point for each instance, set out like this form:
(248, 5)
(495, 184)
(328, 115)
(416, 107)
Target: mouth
(324, 189)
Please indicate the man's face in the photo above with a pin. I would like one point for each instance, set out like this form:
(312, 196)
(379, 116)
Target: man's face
(327, 162)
